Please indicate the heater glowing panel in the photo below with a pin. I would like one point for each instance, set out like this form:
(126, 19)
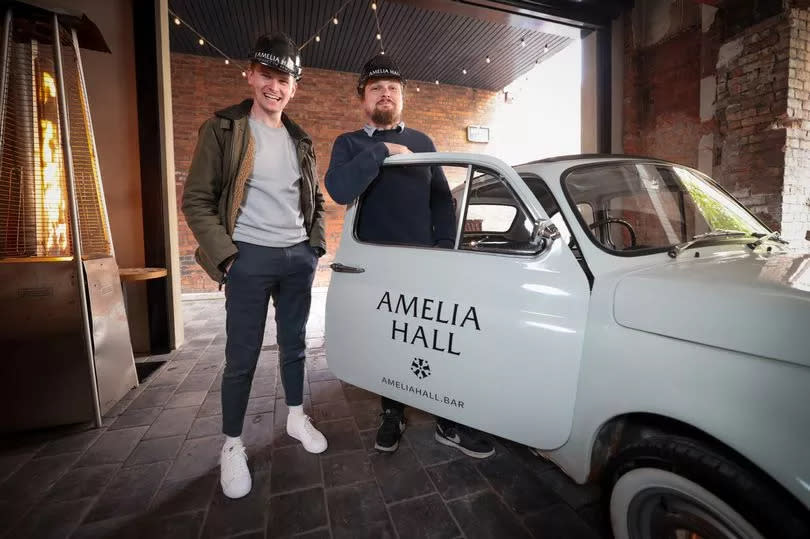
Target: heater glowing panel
(34, 206)
(51, 198)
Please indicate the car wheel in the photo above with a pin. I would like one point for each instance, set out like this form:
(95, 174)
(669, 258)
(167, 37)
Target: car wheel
(648, 502)
(666, 487)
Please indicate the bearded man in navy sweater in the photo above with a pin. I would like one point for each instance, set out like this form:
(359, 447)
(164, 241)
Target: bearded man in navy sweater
(400, 205)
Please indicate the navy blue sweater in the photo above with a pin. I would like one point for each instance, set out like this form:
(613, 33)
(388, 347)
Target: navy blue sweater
(410, 205)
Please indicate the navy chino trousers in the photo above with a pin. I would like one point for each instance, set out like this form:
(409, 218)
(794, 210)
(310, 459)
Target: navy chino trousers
(258, 274)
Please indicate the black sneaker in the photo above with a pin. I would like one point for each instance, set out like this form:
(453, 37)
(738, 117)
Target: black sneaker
(390, 431)
(467, 440)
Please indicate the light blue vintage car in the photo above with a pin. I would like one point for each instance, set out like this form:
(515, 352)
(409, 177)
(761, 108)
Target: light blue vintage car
(625, 316)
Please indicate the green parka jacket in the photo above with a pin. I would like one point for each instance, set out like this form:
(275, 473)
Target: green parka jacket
(215, 186)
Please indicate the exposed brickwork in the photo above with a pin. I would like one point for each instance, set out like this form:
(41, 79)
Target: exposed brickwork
(796, 187)
(755, 59)
(662, 97)
(751, 112)
(325, 106)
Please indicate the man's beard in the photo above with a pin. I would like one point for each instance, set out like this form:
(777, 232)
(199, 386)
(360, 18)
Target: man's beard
(384, 117)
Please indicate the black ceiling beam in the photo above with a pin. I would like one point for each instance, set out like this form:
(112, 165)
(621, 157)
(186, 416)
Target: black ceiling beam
(494, 12)
(549, 16)
(587, 14)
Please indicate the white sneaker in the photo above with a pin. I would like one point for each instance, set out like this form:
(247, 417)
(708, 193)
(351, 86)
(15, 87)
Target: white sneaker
(234, 473)
(301, 428)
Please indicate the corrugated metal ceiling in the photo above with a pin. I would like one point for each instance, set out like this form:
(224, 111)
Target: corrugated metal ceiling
(428, 45)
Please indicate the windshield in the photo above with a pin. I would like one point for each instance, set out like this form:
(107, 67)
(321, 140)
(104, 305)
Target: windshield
(632, 207)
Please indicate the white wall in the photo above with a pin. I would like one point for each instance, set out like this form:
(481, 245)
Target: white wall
(588, 95)
(543, 119)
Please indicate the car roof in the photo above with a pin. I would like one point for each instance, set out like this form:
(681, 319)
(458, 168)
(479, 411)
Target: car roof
(574, 158)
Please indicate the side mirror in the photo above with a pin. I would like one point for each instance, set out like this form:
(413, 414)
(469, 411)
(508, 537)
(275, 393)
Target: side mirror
(544, 233)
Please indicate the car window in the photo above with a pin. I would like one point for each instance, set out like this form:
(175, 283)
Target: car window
(655, 219)
(495, 220)
(485, 213)
(542, 193)
(638, 207)
(383, 218)
(546, 198)
(586, 211)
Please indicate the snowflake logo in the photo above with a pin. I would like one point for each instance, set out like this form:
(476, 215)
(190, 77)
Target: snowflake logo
(420, 368)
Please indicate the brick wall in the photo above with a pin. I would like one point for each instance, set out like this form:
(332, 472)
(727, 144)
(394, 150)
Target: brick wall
(662, 96)
(728, 92)
(325, 105)
(752, 75)
(796, 187)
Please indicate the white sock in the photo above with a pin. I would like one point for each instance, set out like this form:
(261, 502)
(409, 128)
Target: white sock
(297, 411)
(231, 441)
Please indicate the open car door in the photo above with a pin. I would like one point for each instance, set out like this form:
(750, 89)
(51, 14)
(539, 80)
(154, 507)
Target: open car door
(489, 333)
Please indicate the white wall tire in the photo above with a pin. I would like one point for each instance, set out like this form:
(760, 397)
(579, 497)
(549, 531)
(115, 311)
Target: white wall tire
(633, 515)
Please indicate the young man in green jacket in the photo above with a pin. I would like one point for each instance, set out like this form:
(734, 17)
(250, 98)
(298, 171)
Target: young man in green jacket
(253, 202)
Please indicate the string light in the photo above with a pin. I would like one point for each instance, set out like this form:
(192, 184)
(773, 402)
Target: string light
(333, 19)
(417, 89)
(522, 42)
(464, 71)
(545, 49)
(202, 41)
(488, 60)
(382, 52)
(377, 23)
(437, 82)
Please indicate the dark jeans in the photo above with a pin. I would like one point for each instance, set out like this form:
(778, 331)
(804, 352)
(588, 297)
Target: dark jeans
(258, 274)
(398, 407)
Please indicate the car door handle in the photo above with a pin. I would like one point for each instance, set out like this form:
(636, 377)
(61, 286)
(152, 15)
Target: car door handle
(341, 268)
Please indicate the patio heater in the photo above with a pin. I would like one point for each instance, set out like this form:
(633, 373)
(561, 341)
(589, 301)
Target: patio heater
(65, 351)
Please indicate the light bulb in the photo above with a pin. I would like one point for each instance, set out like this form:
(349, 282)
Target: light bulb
(464, 71)
(201, 42)
(417, 89)
(379, 36)
(545, 49)
(437, 82)
(335, 20)
(227, 61)
(488, 60)
(177, 21)
(244, 74)
(374, 6)
(317, 39)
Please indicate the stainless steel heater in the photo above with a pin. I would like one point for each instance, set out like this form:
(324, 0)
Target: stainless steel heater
(65, 352)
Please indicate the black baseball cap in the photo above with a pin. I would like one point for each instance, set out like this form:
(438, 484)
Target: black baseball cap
(379, 67)
(277, 51)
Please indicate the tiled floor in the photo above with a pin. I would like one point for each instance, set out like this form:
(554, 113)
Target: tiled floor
(151, 471)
